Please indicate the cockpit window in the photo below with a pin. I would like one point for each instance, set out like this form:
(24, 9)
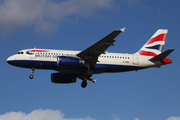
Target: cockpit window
(19, 53)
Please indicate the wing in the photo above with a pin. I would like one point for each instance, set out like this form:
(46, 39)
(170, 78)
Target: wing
(91, 53)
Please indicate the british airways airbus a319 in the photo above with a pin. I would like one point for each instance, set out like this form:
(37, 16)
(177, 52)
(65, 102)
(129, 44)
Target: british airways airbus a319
(71, 65)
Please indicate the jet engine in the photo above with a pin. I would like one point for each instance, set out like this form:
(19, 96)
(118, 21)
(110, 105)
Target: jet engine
(69, 61)
(62, 78)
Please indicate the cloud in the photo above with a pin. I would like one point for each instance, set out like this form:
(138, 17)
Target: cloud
(49, 114)
(136, 119)
(173, 118)
(39, 115)
(131, 3)
(115, 117)
(44, 15)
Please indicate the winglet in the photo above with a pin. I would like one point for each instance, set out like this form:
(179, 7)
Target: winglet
(123, 29)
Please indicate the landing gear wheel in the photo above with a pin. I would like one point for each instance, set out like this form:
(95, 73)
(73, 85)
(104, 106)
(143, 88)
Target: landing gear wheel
(31, 76)
(84, 84)
(32, 72)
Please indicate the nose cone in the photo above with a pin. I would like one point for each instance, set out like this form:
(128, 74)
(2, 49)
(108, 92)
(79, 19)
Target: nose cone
(10, 60)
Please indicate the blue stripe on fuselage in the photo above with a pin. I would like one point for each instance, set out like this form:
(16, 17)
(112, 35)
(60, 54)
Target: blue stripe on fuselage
(33, 64)
(52, 65)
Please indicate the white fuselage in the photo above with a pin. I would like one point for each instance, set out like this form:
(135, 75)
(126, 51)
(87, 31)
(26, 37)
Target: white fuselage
(108, 62)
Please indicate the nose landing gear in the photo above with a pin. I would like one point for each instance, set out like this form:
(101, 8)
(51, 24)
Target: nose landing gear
(31, 75)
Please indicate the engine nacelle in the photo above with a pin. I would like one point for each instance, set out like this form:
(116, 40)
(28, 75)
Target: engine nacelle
(69, 61)
(62, 78)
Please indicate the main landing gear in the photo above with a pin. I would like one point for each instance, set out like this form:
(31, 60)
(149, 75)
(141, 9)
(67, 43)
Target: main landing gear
(31, 75)
(84, 82)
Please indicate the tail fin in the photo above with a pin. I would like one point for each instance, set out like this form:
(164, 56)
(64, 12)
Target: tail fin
(155, 44)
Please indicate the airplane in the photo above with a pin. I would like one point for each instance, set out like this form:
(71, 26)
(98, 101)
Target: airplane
(71, 65)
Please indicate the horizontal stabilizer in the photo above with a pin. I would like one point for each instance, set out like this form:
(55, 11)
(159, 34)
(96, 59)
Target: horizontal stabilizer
(161, 56)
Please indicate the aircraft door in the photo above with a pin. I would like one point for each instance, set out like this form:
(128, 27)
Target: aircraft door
(135, 59)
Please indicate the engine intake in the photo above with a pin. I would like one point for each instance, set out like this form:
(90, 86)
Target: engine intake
(62, 78)
(69, 61)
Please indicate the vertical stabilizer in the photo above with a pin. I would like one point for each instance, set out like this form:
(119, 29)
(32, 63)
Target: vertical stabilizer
(155, 44)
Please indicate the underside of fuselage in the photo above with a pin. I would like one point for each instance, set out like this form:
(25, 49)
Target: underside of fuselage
(52, 65)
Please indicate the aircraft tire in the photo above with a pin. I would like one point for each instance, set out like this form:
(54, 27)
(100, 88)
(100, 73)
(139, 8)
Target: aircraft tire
(84, 84)
(31, 76)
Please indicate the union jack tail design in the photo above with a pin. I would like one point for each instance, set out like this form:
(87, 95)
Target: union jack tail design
(155, 44)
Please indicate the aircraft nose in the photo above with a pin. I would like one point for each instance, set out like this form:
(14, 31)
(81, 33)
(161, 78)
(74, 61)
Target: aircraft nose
(9, 60)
